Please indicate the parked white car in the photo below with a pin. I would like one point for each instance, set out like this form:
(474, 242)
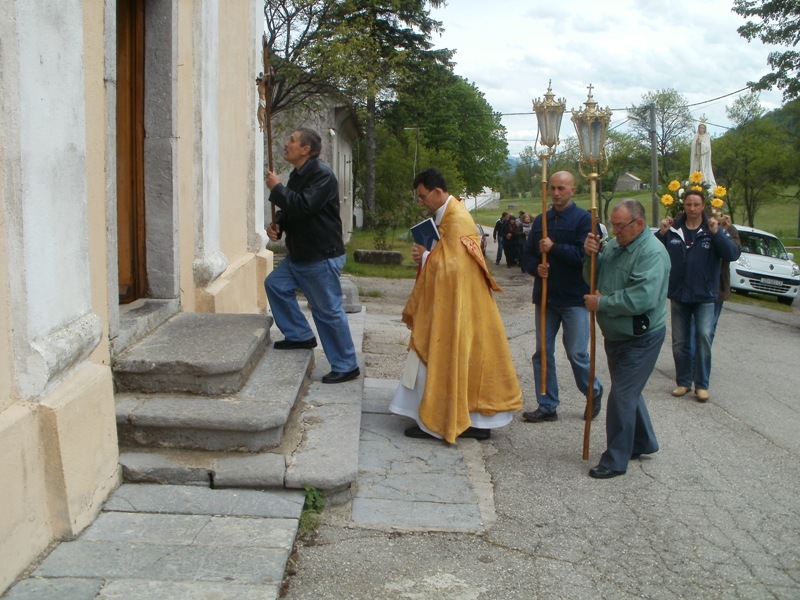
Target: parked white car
(764, 266)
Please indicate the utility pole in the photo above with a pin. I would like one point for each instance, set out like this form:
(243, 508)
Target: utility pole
(653, 167)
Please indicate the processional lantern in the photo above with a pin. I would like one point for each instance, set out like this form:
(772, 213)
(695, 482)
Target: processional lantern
(591, 125)
(548, 113)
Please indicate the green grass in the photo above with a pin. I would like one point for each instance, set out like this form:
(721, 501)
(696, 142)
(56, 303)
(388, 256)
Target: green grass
(364, 240)
(762, 300)
(312, 507)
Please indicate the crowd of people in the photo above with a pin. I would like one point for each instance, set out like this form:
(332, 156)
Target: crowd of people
(510, 234)
(459, 379)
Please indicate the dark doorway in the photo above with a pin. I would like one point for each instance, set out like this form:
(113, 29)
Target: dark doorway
(131, 253)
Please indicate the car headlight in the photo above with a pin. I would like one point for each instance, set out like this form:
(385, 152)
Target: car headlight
(744, 261)
(795, 270)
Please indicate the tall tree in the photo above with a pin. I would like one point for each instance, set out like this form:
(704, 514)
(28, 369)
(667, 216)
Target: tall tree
(455, 118)
(625, 155)
(397, 163)
(778, 23)
(293, 28)
(529, 171)
(367, 46)
(673, 122)
(754, 160)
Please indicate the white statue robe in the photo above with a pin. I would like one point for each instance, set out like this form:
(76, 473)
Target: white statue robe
(701, 158)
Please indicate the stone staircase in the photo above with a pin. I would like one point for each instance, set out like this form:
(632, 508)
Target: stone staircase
(205, 400)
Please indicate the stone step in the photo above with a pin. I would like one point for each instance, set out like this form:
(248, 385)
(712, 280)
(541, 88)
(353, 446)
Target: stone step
(249, 420)
(319, 448)
(195, 353)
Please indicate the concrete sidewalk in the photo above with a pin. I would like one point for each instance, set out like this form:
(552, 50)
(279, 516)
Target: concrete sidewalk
(163, 541)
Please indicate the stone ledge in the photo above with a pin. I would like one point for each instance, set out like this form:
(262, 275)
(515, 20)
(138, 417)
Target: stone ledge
(378, 257)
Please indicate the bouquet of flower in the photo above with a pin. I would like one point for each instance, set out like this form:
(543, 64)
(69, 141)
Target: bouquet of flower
(672, 198)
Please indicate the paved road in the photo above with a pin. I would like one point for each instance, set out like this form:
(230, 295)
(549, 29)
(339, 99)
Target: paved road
(714, 514)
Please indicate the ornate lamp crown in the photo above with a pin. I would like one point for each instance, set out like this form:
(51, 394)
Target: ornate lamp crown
(548, 114)
(591, 125)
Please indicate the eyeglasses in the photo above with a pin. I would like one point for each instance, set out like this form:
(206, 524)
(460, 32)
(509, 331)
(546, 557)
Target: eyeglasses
(424, 196)
(616, 227)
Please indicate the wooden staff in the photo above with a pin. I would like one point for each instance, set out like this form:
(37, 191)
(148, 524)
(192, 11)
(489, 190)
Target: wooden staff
(543, 303)
(593, 177)
(264, 85)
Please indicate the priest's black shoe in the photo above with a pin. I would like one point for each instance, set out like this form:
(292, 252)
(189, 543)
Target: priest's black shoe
(476, 433)
(341, 377)
(601, 472)
(416, 432)
(290, 345)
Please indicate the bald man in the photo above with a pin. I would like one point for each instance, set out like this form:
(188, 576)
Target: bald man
(567, 228)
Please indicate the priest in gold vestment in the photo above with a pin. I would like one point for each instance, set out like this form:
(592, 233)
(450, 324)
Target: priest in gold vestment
(459, 379)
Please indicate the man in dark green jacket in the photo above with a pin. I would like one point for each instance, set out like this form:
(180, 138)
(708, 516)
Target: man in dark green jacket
(631, 309)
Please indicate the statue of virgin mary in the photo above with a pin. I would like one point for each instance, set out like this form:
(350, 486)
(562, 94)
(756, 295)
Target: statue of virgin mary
(701, 155)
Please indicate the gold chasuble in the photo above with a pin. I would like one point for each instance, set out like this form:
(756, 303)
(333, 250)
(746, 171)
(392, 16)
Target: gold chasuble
(457, 332)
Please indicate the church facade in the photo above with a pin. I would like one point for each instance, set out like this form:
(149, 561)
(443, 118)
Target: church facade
(131, 184)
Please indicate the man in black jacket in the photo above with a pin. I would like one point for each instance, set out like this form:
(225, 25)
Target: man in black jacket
(497, 236)
(309, 215)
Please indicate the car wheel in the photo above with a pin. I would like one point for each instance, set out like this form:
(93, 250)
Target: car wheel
(785, 300)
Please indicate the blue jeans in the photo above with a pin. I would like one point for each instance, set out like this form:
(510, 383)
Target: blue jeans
(692, 333)
(575, 320)
(628, 427)
(499, 249)
(717, 312)
(320, 283)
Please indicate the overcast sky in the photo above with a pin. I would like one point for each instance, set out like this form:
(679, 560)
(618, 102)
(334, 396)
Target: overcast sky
(510, 49)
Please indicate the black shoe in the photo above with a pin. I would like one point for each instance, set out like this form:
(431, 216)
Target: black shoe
(597, 404)
(417, 433)
(290, 345)
(539, 416)
(476, 433)
(340, 377)
(636, 455)
(601, 472)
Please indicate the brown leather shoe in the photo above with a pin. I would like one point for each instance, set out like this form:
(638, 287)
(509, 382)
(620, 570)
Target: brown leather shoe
(702, 395)
(681, 390)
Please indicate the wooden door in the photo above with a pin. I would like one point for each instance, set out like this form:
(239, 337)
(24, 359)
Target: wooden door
(130, 151)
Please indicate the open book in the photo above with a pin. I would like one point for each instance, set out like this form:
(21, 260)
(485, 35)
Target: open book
(425, 233)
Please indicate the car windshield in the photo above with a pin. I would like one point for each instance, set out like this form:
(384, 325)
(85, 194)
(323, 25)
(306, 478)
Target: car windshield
(765, 245)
